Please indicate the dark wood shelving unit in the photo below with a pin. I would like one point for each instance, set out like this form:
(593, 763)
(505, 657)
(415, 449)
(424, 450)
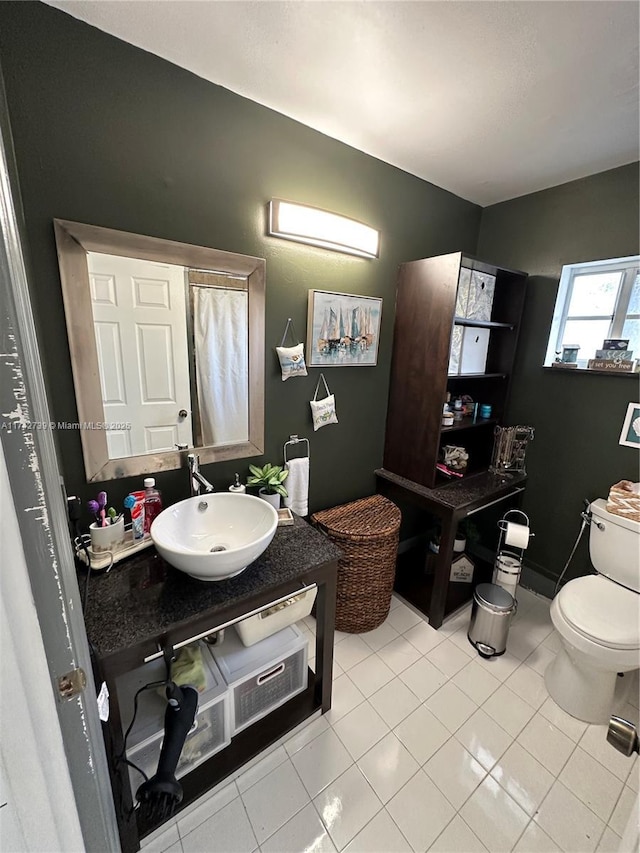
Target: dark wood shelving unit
(422, 577)
(426, 297)
(426, 300)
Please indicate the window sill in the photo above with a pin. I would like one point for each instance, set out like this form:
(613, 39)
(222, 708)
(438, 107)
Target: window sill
(585, 371)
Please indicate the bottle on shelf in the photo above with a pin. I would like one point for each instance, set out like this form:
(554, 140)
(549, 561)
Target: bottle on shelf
(152, 503)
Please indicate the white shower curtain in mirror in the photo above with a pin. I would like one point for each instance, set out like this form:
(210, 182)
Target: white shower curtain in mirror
(222, 363)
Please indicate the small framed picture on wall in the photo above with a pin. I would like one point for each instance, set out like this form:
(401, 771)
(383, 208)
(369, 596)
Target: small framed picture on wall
(343, 330)
(630, 435)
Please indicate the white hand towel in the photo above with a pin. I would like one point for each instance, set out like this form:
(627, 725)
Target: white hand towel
(297, 485)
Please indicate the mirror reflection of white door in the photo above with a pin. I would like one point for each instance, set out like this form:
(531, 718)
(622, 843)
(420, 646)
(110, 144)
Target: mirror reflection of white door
(140, 323)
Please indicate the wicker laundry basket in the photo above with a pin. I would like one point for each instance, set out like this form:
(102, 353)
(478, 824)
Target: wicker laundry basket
(367, 532)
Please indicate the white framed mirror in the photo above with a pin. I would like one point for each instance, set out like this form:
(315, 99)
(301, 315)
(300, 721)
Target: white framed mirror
(167, 349)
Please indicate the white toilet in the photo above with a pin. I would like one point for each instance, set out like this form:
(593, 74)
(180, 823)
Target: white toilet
(598, 620)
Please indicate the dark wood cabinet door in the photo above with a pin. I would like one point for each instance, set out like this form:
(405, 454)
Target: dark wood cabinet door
(425, 304)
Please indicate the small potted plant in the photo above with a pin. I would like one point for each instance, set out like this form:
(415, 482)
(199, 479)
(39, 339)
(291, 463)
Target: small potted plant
(270, 479)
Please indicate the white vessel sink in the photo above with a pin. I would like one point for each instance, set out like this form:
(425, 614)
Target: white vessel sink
(214, 536)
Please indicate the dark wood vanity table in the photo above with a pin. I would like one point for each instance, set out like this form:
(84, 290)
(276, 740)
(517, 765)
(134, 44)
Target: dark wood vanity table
(143, 604)
(432, 592)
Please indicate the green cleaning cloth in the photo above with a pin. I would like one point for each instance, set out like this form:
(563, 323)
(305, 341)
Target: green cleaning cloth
(188, 668)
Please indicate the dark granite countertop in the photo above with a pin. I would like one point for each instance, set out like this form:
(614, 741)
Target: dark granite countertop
(142, 598)
(459, 494)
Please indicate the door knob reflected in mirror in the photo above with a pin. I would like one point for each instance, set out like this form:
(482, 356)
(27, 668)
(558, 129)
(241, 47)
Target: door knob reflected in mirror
(623, 736)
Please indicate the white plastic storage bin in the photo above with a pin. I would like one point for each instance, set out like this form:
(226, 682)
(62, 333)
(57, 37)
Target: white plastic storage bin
(473, 353)
(210, 732)
(264, 676)
(275, 618)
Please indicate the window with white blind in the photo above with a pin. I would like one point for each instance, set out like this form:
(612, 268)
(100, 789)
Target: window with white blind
(596, 301)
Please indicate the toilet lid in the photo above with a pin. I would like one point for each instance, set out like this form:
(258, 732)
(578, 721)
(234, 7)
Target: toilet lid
(603, 611)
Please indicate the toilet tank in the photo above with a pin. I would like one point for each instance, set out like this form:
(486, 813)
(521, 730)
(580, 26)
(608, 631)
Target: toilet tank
(615, 550)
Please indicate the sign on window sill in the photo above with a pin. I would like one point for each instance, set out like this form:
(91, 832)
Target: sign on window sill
(611, 366)
(590, 371)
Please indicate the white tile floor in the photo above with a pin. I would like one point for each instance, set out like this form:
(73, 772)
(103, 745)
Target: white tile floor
(427, 747)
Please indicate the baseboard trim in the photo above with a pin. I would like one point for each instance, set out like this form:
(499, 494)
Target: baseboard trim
(534, 576)
(537, 579)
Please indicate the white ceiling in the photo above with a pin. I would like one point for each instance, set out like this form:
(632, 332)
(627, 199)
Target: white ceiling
(490, 100)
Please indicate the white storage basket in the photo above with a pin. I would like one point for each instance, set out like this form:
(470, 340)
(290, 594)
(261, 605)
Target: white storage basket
(210, 732)
(264, 676)
(275, 618)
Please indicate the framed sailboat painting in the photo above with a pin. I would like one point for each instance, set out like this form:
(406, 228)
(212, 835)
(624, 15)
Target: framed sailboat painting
(343, 329)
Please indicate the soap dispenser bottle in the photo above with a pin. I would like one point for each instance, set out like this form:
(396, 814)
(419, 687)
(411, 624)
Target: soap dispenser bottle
(152, 503)
(237, 488)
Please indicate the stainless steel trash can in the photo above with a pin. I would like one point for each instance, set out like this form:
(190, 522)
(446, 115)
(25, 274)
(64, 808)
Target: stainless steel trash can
(491, 614)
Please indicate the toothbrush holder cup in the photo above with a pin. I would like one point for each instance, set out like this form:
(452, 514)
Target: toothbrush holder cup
(109, 538)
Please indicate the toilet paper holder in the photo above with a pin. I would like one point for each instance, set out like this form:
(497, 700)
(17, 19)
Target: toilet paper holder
(514, 535)
(512, 542)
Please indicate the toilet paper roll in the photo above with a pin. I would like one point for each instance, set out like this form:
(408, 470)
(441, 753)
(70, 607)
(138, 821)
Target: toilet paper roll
(516, 535)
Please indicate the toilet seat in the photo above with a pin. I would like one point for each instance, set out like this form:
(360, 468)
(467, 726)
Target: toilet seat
(602, 611)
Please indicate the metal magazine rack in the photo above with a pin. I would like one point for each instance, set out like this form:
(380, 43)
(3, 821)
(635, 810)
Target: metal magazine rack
(509, 449)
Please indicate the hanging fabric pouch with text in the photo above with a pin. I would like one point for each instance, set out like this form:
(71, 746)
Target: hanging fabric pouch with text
(323, 411)
(291, 358)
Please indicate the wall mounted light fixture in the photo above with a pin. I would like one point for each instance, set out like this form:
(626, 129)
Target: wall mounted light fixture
(305, 224)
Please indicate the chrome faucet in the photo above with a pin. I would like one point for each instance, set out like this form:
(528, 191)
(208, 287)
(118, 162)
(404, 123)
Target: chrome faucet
(196, 480)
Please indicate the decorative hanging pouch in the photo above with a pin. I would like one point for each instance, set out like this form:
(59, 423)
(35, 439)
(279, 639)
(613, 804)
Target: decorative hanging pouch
(323, 411)
(291, 358)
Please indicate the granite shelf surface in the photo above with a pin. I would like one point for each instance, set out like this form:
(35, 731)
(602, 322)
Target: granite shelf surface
(140, 599)
(460, 493)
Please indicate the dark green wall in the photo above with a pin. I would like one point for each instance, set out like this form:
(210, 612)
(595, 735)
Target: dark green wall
(110, 135)
(577, 418)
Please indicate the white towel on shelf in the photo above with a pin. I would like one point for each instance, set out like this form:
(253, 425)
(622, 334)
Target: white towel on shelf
(297, 485)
